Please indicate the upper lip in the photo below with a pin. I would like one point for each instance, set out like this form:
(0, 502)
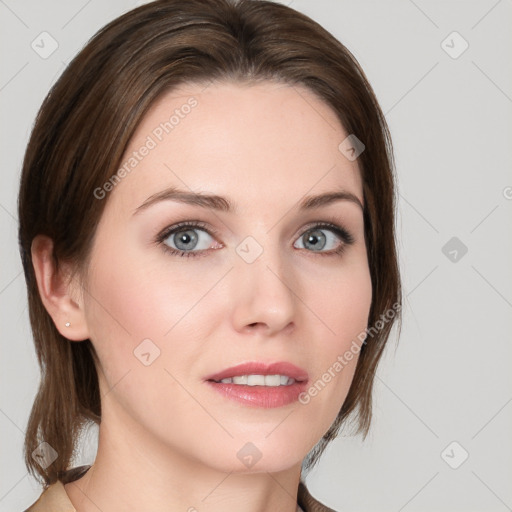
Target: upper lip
(257, 368)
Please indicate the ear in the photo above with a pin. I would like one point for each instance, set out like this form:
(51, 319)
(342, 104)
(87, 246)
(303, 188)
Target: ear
(60, 294)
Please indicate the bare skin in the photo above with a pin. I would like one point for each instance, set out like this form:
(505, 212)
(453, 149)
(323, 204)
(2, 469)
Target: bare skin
(167, 440)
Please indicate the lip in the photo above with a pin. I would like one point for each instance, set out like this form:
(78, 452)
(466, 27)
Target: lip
(260, 396)
(257, 368)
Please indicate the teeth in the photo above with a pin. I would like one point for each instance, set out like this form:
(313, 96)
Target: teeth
(260, 380)
(283, 380)
(255, 380)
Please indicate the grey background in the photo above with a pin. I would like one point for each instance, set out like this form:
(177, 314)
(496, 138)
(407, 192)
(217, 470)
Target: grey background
(449, 378)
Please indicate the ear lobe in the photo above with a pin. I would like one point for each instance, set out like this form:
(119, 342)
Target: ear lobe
(57, 291)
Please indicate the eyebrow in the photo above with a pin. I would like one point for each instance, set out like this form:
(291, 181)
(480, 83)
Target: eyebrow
(223, 204)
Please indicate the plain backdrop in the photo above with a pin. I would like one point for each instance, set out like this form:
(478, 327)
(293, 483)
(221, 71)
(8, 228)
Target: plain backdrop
(443, 399)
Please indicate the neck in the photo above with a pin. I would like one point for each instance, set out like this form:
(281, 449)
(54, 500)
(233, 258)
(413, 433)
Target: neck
(133, 471)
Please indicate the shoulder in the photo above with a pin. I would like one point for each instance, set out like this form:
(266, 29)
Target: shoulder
(54, 498)
(308, 503)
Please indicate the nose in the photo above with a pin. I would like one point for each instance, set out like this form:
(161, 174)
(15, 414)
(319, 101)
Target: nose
(264, 298)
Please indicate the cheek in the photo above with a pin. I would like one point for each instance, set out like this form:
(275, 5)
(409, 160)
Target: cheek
(343, 305)
(120, 306)
(343, 302)
(350, 320)
(138, 297)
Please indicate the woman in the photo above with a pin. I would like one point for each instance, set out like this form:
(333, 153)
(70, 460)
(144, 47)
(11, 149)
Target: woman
(206, 227)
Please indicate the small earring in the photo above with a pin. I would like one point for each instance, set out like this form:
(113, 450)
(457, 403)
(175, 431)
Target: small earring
(68, 324)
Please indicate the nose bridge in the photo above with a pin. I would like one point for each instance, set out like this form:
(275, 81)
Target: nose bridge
(265, 291)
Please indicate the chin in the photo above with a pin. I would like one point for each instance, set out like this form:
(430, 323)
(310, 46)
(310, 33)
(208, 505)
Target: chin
(260, 455)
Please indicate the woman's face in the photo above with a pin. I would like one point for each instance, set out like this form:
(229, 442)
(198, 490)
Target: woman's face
(259, 283)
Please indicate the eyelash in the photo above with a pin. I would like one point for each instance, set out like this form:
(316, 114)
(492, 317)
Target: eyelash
(340, 231)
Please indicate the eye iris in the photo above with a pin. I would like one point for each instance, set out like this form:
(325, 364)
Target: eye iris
(313, 239)
(182, 238)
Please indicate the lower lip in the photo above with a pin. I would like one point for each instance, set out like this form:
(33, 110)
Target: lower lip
(260, 396)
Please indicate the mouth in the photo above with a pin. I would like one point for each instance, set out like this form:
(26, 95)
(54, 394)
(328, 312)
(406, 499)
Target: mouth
(260, 385)
(256, 370)
(258, 380)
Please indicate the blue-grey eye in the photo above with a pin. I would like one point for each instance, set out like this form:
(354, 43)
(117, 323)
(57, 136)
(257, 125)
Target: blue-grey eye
(189, 239)
(316, 240)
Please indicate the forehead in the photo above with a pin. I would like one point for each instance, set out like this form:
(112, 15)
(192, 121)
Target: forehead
(262, 145)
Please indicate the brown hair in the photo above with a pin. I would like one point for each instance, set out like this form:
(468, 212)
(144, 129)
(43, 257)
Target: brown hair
(85, 124)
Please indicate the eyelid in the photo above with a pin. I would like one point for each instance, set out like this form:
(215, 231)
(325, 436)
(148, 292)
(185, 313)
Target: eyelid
(337, 228)
(166, 232)
(333, 224)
